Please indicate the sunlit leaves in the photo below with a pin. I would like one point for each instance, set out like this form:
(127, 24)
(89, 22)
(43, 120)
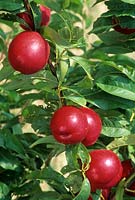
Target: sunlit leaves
(118, 86)
(123, 141)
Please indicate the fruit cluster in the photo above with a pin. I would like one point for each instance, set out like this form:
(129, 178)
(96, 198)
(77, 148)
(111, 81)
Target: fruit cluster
(29, 51)
(71, 125)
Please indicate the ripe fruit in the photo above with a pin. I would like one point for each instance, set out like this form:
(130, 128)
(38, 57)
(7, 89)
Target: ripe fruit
(128, 169)
(90, 198)
(106, 193)
(105, 169)
(45, 15)
(26, 17)
(69, 125)
(45, 18)
(94, 126)
(28, 52)
(118, 28)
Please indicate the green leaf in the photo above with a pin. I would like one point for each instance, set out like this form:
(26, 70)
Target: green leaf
(83, 154)
(84, 63)
(46, 140)
(52, 35)
(7, 161)
(50, 195)
(78, 100)
(10, 5)
(114, 129)
(123, 141)
(125, 69)
(129, 1)
(106, 101)
(64, 64)
(52, 177)
(12, 142)
(118, 86)
(85, 190)
(4, 190)
(72, 157)
(74, 181)
(74, 153)
(120, 190)
(36, 14)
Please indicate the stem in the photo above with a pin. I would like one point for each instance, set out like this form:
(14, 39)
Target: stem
(61, 97)
(52, 68)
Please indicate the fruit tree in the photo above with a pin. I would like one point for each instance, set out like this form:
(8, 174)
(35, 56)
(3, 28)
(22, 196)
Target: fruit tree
(67, 97)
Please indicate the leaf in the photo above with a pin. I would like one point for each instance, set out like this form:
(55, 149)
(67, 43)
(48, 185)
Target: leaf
(10, 5)
(36, 15)
(106, 101)
(102, 24)
(118, 86)
(129, 1)
(52, 35)
(7, 161)
(83, 154)
(46, 140)
(125, 69)
(4, 190)
(123, 141)
(85, 190)
(50, 195)
(64, 64)
(74, 181)
(12, 142)
(76, 153)
(72, 157)
(114, 129)
(52, 177)
(120, 190)
(78, 100)
(84, 63)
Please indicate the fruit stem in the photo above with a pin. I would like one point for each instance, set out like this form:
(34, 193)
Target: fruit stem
(60, 93)
(52, 68)
(61, 97)
(28, 8)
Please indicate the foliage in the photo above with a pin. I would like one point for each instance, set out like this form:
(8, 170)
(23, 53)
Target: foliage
(101, 77)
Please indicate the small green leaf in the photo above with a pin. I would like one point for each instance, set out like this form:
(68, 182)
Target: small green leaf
(129, 1)
(52, 35)
(78, 100)
(113, 128)
(85, 190)
(4, 190)
(64, 64)
(123, 141)
(7, 161)
(12, 142)
(46, 140)
(52, 177)
(10, 5)
(118, 86)
(77, 152)
(83, 154)
(84, 63)
(49, 195)
(120, 190)
(74, 181)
